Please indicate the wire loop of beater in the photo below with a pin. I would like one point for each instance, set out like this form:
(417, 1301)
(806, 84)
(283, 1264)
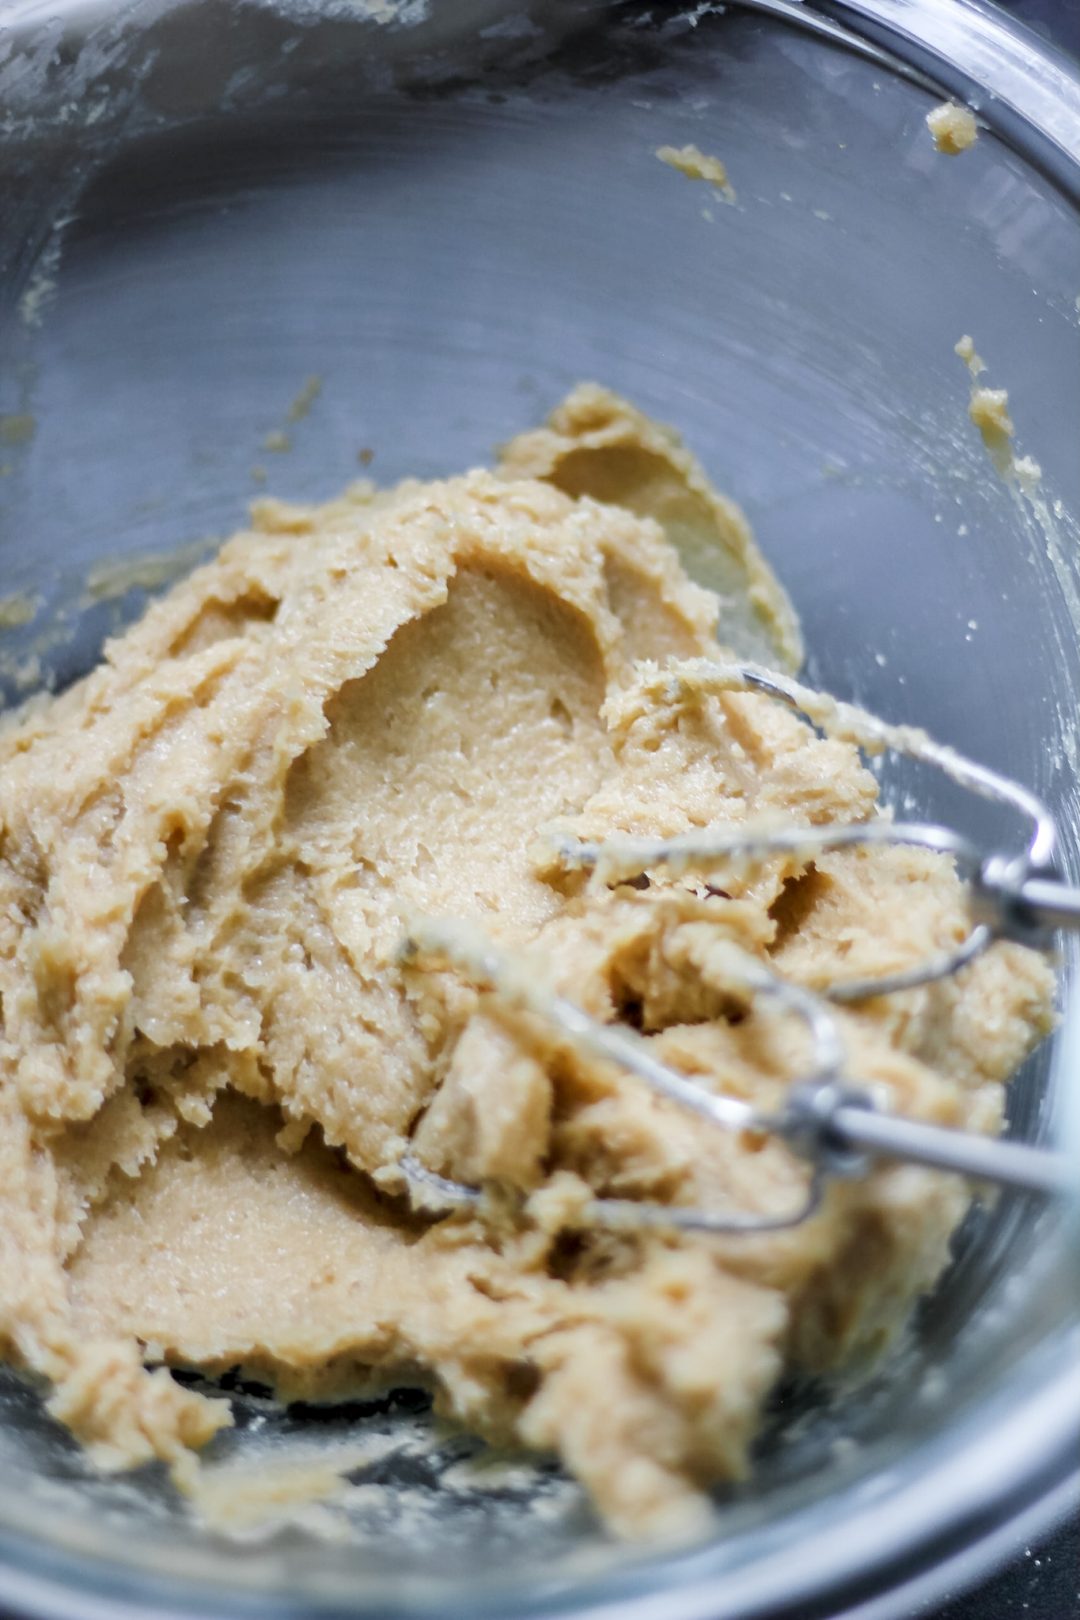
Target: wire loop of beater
(827, 1120)
(1019, 897)
(432, 944)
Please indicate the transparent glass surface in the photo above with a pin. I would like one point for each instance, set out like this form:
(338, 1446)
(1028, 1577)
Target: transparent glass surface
(451, 219)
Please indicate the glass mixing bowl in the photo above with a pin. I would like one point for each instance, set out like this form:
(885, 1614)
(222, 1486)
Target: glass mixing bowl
(449, 215)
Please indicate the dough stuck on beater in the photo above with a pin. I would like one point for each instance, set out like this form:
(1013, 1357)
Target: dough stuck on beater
(214, 1054)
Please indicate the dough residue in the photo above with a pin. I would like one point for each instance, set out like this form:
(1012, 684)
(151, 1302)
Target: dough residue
(279, 440)
(17, 610)
(953, 127)
(215, 1052)
(113, 577)
(988, 409)
(17, 427)
(698, 165)
(305, 399)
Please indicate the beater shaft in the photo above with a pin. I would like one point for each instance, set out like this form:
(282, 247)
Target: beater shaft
(856, 1127)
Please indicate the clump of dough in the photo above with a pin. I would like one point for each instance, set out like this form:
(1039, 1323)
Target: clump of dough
(698, 165)
(215, 1051)
(988, 409)
(953, 127)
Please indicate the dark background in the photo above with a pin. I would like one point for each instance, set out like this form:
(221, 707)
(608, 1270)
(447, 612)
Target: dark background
(1043, 1582)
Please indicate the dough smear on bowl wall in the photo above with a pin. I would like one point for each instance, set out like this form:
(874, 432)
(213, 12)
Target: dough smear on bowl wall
(215, 1053)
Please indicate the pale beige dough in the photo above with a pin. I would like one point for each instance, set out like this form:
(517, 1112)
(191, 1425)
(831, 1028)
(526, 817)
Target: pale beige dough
(953, 127)
(214, 1055)
(988, 409)
(698, 165)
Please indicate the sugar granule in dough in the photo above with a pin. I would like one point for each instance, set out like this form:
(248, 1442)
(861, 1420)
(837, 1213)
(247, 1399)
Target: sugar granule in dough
(213, 1054)
(953, 127)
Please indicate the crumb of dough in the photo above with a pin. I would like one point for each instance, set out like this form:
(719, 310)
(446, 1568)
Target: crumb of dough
(279, 440)
(368, 712)
(305, 399)
(17, 609)
(953, 127)
(17, 428)
(1027, 472)
(250, 1493)
(988, 409)
(698, 165)
(113, 577)
(32, 303)
(26, 673)
(965, 349)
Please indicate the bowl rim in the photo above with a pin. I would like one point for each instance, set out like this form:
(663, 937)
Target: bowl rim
(968, 1506)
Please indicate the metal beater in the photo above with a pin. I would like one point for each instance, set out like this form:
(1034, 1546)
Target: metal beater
(828, 1120)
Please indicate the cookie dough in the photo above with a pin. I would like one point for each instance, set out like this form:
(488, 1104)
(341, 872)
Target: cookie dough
(953, 127)
(214, 1053)
(698, 165)
(988, 409)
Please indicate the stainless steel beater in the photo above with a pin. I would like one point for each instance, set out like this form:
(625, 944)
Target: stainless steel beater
(827, 1119)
